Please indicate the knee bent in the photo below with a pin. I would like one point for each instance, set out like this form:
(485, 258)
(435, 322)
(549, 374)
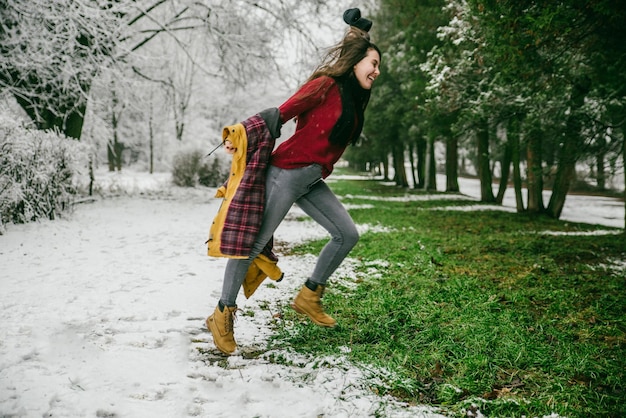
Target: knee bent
(351, 237)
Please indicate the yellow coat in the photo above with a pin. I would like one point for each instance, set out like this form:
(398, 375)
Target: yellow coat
(236, 134)
(262, 266)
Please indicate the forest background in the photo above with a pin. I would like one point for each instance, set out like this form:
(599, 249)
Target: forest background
(528, 94)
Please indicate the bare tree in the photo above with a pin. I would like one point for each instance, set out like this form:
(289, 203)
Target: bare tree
(51, 53)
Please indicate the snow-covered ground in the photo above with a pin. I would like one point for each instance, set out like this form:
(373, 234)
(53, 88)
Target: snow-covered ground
(598, 210)
(102, 314)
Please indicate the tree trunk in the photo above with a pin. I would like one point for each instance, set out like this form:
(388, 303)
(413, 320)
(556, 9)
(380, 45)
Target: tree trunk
(534, 176)
(92, 177)
(421, 163)
(452, 163)
(412, 162)
(151, 137)
(618, 116)
(565, 173)
(385, 162)
(73, 126)
(484, 170)
(513, 139)
(119, 148)
(505, 168)
(70, 124)
(570, 150)
(430, 169)
(600, 167)
(114, 154)
(111, 156)
(398, 165)
(115, 148)
(431, 184)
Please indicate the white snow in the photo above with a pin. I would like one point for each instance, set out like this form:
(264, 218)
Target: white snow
(598, 210)
(102, 314)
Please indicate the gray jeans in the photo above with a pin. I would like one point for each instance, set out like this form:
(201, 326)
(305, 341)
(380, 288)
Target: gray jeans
(304, 187)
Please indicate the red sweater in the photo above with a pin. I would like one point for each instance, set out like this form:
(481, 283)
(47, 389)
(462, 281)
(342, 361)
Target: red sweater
(317, 115)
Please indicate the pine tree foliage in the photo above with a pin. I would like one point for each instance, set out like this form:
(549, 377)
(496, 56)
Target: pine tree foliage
(530, 87)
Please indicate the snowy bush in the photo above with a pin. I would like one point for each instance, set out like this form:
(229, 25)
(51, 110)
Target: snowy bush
(213, 174)
(190, 169)
(37, 172)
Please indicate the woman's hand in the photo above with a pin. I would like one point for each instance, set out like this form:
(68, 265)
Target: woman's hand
(228, 146)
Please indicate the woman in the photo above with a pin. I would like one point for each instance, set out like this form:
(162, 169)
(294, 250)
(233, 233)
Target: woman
(329, 110)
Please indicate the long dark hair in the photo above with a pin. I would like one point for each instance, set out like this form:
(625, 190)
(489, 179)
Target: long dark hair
(339, 64)
(341, 58)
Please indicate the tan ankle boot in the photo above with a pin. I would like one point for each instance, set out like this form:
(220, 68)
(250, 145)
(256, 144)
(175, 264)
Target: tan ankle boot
(308, 302)
(221, 325)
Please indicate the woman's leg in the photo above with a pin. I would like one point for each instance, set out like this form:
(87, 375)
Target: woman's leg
(283, 188)
(323, 206)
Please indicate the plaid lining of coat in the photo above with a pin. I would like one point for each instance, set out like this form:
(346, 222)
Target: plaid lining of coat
(245, 213)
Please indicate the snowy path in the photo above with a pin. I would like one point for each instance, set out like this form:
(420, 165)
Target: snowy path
(102, 314)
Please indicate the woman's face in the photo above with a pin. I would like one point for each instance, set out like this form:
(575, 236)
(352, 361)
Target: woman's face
(367, 69)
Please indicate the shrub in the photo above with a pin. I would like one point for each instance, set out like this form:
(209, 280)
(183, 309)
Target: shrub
(213, 174)
(37, 172)
(185, 168)
(190, 169)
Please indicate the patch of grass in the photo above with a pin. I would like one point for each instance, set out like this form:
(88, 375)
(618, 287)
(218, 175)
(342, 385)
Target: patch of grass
(479, 308)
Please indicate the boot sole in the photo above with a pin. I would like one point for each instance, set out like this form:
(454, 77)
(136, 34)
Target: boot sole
(303, 312)
(208, 323)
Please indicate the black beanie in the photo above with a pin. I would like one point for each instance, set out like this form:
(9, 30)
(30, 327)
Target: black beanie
(353, 18)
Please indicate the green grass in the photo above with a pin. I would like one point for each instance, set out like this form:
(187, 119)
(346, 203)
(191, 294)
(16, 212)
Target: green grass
(478, 308)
